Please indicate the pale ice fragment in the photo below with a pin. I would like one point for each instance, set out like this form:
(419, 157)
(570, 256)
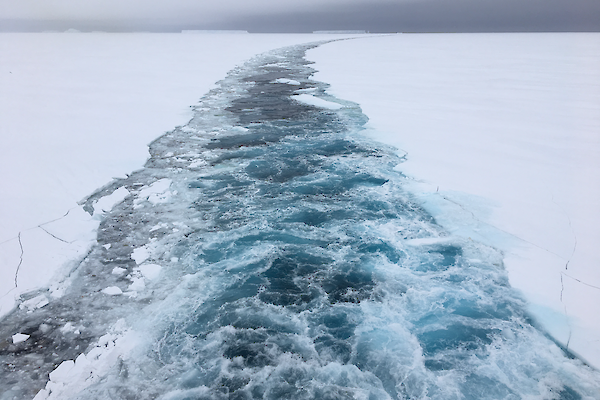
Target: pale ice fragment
(63, 371)
(19, 337)
(140, 255)
(315, 101)
(286, 80)
(106, 203)
(150, 271)
(36, 302)
(112, 291)
(137, 285)
(118, 271)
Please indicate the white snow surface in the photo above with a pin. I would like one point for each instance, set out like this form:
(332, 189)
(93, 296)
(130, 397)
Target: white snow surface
(77, 110)
(502, 140)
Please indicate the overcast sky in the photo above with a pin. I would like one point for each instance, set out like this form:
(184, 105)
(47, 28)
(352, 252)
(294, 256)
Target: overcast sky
(302, 15)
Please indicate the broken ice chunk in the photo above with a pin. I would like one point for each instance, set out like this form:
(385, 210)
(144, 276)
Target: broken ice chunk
(69, 327)
(19, 337)
(158, 226)
(137, 285)
(118, 271)
(316, 101)
(112, 291)
(150, 271)
(156, 193)
(197, 163)
(106, 203)
(140, 255)
(36, 302)
(63, 371)
(286, 80)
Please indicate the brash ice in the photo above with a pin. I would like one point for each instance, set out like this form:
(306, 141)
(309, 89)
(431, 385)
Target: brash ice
(268, 250)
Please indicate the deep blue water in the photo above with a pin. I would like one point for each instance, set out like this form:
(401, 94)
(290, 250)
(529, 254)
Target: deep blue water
(294, 266)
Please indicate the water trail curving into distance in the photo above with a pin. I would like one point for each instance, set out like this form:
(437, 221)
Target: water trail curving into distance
(268, 251)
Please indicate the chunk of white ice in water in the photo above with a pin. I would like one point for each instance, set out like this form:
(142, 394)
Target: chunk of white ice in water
(155, 193)
(150, 271)
(137, 284)
(36, 302)
(158, 226)
(307, 90)
(118, 271)
(19, 337)
(63, 371)
(112, 291)
(140, 255)
(316, 101)
(288, 81)
(106, 203)
(68, 327)
(198, 163)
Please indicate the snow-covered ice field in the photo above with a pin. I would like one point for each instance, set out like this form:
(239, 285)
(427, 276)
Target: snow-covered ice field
(79, 109)
(501, 135)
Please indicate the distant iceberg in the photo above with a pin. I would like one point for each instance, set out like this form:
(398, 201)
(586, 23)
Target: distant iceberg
(211, 31)
(345, 32)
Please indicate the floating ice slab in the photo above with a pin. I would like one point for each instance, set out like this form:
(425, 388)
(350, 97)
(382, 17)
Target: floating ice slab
(106, 203)
(112, 291)
(140, 255)
(316, 101)
(19, 337)
(150, 271)
(287, 81)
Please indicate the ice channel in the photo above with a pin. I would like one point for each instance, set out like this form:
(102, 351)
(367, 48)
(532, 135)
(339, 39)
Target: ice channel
(268, 251)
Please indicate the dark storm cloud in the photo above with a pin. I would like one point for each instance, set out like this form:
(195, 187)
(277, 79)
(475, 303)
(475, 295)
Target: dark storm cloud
(307, 16)
(439, 16)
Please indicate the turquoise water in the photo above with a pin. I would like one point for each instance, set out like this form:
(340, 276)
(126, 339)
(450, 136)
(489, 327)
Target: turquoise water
(294, 266)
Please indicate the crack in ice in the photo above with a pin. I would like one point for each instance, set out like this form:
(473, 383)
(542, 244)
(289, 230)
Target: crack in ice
(20, 260)
(39, 226)
(562, 288)
(56, 219)
(572, 231)
(54, 236)
(502, 230)
(578, 280)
